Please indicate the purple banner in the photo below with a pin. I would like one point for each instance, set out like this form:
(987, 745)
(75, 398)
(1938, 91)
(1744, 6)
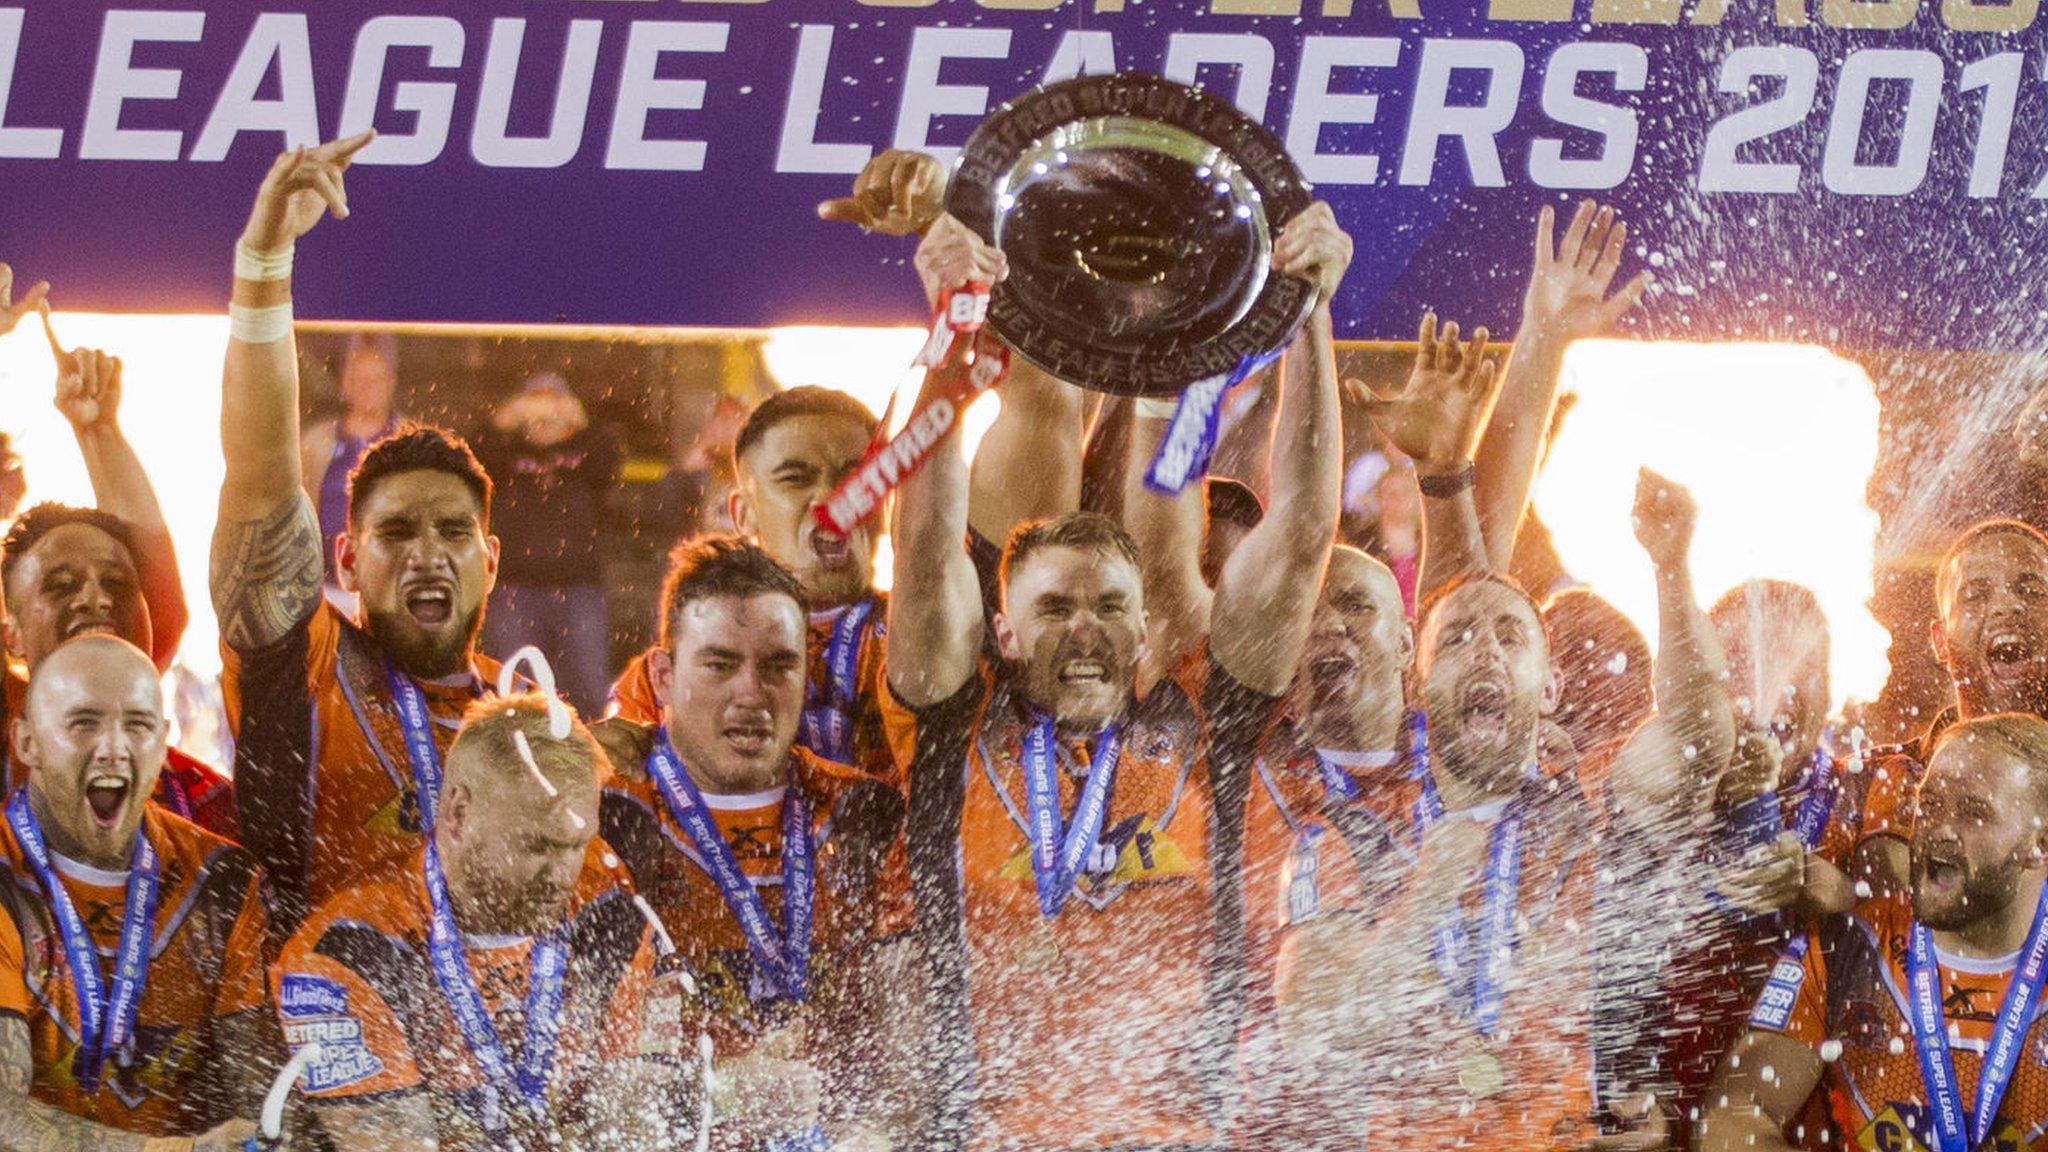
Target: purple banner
(1854, 172)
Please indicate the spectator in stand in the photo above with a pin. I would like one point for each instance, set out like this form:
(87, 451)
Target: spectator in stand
(331, 449)
(552, 471)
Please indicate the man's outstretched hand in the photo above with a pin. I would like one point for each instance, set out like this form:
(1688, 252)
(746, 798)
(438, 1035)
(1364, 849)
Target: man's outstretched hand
(897, 193)
(301, 186)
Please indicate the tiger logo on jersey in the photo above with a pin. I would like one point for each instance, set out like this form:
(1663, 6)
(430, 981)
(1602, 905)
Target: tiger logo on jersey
(1903, 1127)
(398, 816)
(1134, 851)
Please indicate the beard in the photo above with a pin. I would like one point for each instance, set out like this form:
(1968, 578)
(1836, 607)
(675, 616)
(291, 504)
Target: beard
(428, 657)
(1983, 892)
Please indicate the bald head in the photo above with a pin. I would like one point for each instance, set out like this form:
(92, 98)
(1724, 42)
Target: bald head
(1348, 686)
(93, 739)
(518, 810)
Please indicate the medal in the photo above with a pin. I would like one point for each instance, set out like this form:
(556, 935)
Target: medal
(1481, 1075)
(1036, 951)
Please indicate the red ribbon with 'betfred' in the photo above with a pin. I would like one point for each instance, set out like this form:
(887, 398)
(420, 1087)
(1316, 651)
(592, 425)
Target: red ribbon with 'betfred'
(952, 384)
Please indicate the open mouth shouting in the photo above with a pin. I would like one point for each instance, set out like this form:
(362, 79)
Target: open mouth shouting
(2010, 658)
(106, 794)
(430, 603)
(1084, 674)
(831, 549)
(1942, 872)
(1483, 708)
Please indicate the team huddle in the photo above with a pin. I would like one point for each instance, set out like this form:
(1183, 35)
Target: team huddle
(1115, 824)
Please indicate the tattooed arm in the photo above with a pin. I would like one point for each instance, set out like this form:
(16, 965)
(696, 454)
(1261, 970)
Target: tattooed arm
(30, 1126)
(266, 547)
(391, 1124)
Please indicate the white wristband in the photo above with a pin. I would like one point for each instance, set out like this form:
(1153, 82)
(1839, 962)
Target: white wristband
(260, 325)
(253, 265)
(1158, 407)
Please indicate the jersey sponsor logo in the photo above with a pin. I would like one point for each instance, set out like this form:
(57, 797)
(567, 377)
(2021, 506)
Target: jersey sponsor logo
(316, 1009)
(303, 995)
(1774, 1006)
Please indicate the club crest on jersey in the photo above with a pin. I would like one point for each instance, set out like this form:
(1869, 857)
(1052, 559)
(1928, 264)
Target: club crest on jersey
(1135, 851)
(317, 1009)
(1904, 1127)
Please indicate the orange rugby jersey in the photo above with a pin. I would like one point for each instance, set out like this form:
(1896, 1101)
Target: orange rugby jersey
(633, 696)
(357, 978)
(187, 786)
(1087, 1029)
(206, 964)
(862, 893)
(323, 784)
(1850, 987)
(1302, 847)
(1544, 1094)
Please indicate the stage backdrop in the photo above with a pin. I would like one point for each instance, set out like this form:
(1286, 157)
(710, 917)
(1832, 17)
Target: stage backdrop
(1855, 172)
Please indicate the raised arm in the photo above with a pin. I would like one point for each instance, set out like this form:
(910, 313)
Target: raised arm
(1762, 1084)
(1566, 300)
(28, 1125)
(265, 574)
(1436, 421)
(1028, 465)
(1675, 760)
(1266, 593)
(935, 621)
(89, 396)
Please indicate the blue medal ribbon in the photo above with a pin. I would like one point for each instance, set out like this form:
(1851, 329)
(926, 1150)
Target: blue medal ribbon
(785, 958)
(1429, 807)
(1190, 438)
(417, 724)
(106, 1020)
(548, 964)
(1059, 857)
(2008, 1030)
(1479, 980)
(828, 722)
(1818, 805)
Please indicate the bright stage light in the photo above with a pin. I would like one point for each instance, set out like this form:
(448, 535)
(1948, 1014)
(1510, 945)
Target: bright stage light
(1776, 443)
(170, 410)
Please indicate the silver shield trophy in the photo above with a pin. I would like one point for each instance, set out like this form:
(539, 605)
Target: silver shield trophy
(1138, 216)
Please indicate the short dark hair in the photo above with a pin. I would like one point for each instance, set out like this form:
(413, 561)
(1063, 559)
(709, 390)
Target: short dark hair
(720, 565)
(419, 448)
(1968, 538)
(1087, 531)
(31, 526)
(1233, 502)
(807, 400)
(1435, 601)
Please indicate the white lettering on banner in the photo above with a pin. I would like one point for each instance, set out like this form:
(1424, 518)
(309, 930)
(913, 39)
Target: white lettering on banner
(490, 143)
(20, 143)
(925, 99)
(799, 150)
(1841, 169)
(1082, 52)
(116, 80)
(1476, 125)
(432, 103)
(294, 116)
(641, 93)
(1721, 168)
(1617, 126)
(1316, 106)
(1999, 77)
(1252, 56)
